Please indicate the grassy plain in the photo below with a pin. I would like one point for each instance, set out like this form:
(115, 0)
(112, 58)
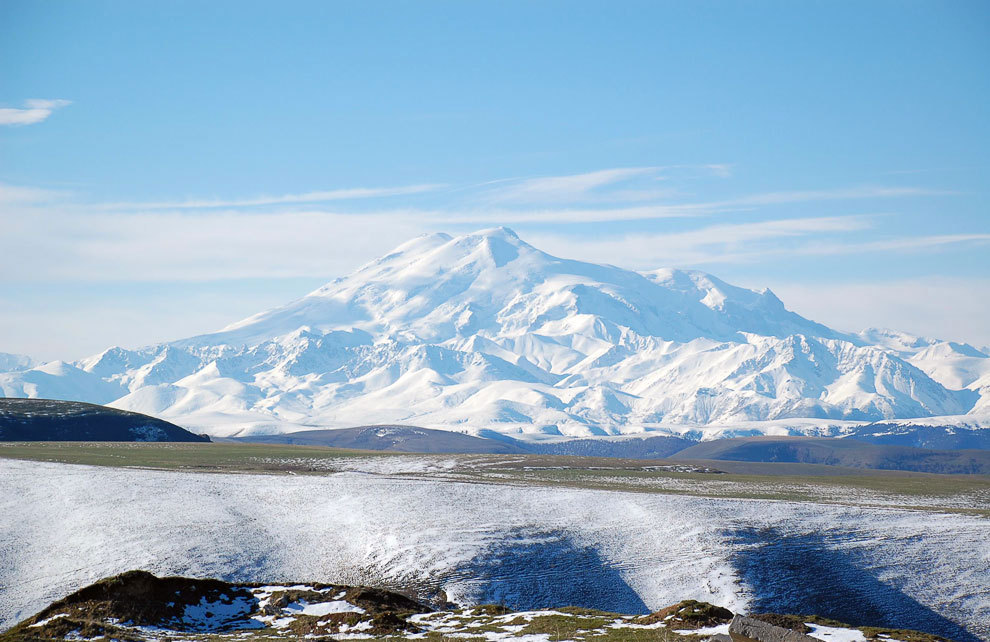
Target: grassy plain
(741, 480)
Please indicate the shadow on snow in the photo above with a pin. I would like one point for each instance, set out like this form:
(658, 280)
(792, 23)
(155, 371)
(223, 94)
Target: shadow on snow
(805, 574)
(548, 571)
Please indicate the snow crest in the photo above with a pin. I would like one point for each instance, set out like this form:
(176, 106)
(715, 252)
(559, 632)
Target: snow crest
(484, 331)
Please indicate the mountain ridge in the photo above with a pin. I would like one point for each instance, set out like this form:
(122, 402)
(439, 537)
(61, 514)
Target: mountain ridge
(484, 331)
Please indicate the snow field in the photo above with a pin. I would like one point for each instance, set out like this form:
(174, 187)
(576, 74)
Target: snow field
(65, 526)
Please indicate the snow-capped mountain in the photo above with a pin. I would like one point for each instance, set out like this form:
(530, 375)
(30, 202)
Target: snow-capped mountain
(9, 362)
(484, 331)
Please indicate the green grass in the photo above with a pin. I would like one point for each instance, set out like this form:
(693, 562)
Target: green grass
(200, 457)
(760, 481)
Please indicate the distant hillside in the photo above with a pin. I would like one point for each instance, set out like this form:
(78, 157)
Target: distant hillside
(413, 439)
(851, 453)
(406, 439)
(921, 436)
(52, 420)
(659, 447)
(830, 451)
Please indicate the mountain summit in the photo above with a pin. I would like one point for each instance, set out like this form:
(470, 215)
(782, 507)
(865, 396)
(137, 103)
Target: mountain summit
(484, 331)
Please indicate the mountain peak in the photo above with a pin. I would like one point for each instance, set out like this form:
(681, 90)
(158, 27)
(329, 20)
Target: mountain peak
(500, 232)
(483, 330)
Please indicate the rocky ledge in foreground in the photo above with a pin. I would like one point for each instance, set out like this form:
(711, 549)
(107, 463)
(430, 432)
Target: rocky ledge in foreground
(137, 606)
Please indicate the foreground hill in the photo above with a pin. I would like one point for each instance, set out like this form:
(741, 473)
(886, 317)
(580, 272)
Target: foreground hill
(137, 606)
(839, 452)
(886, 548)
(51, 420)
(485, 331)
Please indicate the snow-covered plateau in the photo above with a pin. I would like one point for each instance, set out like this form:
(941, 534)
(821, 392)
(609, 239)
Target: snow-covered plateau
(64, 526)
(486, 332)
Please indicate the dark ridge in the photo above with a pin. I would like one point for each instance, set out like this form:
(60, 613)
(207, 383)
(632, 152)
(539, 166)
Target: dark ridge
(934, 437)
(850, 453)
(413, 439)
(53, 420)
(660, 447)
(407, 439)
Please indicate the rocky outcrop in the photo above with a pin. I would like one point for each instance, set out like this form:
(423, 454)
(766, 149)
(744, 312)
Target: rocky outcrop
(139, 607)
(747, 629)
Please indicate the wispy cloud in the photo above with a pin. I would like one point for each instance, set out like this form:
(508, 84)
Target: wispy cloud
(56, 244)
(566, 189)
(285, 199)
(615, 185)
(16, 194)
(917, 305)
(34, 111)
(746, 243)
(896, 244)
(713, 243)
(605, 195)
(843, 193)
(559, 215)
(48, 236)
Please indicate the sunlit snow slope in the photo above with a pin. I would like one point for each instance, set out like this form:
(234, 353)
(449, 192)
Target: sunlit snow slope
(485, 331)
(529, 547)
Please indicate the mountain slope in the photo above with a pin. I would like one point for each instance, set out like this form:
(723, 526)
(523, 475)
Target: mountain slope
(484, 331)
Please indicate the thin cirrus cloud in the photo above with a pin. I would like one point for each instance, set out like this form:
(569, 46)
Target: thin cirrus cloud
(289, 235)
(285, 199)
(619, 184)
(563, 210)
(747, 243)
(914, 305)
(844, 193)
(723, 243)
(171, 246)
(34, 111)
(21, 195)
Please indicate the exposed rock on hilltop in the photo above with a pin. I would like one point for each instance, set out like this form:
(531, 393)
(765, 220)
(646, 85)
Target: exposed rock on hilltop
(137, 606)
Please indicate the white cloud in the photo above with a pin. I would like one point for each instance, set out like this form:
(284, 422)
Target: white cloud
(906, 243)
(938, 307)
(842, 193)
(616, 185)
(743, 243)
(555, 196)
(65, 245)
(305, 197)
(15, 194)
(34, 111)
(565, 189)
(725, 243)
(62, 243)
(559, 215)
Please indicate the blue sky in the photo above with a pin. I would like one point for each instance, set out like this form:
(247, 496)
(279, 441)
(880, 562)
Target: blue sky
(167, 168)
